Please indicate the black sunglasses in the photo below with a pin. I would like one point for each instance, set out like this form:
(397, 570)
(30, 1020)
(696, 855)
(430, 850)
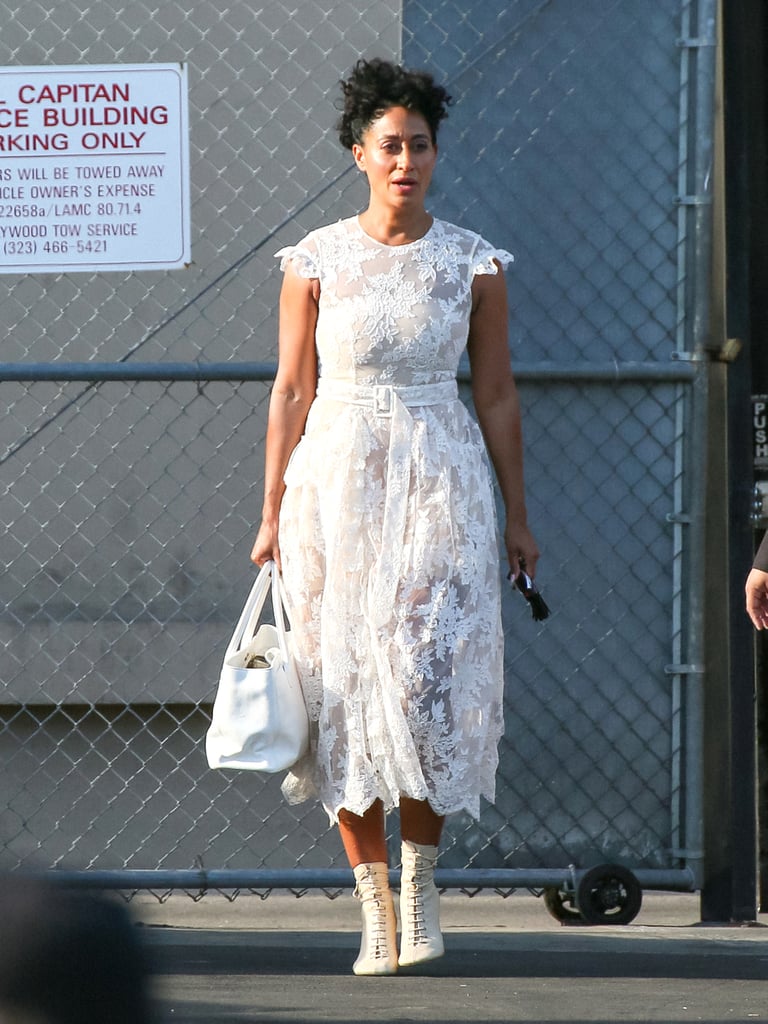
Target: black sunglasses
(531, 593)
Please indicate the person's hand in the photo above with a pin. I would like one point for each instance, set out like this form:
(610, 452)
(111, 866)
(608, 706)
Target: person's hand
(756, 589)
(521, 547)
(266, 547)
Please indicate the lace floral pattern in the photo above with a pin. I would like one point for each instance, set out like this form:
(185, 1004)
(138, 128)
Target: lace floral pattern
(388, 533)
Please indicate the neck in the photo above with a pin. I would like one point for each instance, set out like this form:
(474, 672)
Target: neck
(394, 227)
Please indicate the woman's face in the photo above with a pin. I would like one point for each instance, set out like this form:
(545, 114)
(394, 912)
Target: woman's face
(398, 156)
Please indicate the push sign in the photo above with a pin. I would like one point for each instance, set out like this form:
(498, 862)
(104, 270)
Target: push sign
(94, 168)
(760, 460)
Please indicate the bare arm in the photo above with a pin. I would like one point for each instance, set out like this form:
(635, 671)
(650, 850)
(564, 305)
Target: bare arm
(498, 411)
(292, 394)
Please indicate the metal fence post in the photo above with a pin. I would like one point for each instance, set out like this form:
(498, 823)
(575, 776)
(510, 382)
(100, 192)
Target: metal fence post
(730, 884)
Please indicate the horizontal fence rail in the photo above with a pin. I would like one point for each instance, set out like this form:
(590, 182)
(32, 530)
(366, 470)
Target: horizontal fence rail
(677, 370)
(339, 878)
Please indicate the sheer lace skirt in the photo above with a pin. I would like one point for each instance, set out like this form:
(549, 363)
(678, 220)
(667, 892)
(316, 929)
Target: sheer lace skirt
(399, 640)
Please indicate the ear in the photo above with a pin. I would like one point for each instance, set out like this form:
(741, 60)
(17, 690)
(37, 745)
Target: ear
(359, 155)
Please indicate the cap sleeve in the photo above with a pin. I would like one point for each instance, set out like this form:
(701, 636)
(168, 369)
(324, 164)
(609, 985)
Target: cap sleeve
(304, 262)
(484, 256)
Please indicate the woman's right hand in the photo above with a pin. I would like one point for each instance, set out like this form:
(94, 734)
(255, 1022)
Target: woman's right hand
(266, 546)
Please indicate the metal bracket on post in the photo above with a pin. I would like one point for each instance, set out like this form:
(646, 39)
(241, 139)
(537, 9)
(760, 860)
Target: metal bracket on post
(695, 42)
(694, 200)
(684, 670)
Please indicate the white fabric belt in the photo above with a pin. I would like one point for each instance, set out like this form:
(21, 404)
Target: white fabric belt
(381, 397)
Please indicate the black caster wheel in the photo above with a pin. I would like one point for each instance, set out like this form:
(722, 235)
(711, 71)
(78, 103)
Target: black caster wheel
(608, 894)
(560, 906)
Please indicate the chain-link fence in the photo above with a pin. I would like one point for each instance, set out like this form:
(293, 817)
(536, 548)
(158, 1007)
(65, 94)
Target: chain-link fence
(128, 505)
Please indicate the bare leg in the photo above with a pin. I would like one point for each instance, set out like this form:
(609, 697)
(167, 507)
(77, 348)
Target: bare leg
(419, 823)
(364, 836)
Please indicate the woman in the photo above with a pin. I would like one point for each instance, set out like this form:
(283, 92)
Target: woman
(378, 508)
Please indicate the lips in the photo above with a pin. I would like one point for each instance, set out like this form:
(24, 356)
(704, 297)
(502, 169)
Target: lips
(404, 182)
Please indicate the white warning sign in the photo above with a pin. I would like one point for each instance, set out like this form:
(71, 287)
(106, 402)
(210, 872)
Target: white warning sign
(94, 168)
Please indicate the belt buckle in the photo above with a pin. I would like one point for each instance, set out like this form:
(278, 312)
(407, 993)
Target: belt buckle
(383, 399)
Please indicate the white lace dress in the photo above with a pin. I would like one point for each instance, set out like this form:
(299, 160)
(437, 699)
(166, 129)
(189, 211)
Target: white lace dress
(388, 531)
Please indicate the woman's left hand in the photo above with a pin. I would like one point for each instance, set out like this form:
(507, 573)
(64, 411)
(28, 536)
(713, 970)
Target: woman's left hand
(521, 547)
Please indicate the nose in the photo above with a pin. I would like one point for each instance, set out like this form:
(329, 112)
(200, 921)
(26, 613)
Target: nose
(405, 160)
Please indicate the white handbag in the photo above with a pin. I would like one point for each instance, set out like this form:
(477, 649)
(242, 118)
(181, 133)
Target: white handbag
(259, 719)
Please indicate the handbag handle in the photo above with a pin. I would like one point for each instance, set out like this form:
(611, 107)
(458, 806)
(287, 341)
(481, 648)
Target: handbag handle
(254, 605)
(249, 616)
(280, 608)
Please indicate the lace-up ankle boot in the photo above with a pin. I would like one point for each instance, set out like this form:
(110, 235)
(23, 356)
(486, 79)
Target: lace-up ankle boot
(421, 938)
(378, 948)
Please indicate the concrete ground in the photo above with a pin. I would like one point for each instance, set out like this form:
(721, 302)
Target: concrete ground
(284, 959)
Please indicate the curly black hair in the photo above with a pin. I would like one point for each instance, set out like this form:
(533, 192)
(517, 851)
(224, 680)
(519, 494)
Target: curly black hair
(376, 85)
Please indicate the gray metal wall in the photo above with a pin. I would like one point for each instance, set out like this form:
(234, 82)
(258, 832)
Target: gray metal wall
(129, 507)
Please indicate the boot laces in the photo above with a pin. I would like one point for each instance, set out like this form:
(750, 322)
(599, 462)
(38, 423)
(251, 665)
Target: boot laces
(419, 879)
(372, 897)
(379, 930)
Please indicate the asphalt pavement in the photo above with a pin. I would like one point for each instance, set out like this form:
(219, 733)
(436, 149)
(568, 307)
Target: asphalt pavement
(288, 959)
